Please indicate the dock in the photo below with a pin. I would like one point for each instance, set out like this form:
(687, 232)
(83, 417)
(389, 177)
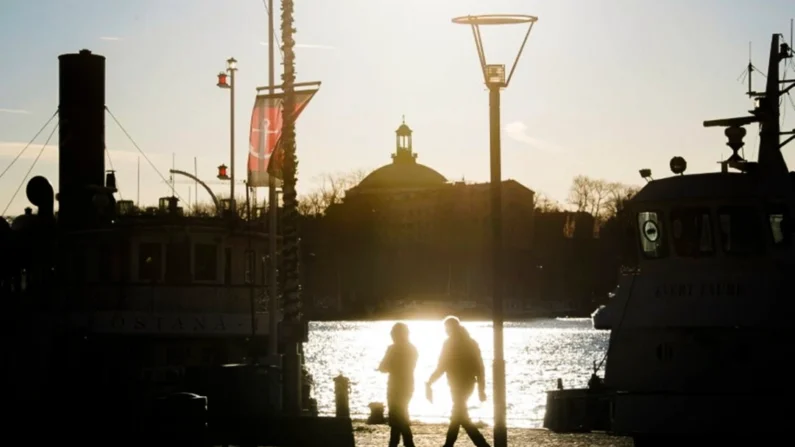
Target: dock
(432, 435)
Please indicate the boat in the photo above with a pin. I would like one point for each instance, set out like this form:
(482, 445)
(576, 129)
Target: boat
(117, 313)
(600, 318)
(700, 330)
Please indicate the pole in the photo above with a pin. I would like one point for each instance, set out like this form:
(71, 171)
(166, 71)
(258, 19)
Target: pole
(232, 139)
(138, 185)
(273, 305)
(250, 266)
(273, 287)
(195, 184)
(500, 431)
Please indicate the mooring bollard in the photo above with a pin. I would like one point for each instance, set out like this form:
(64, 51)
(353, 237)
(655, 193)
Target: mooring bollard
(342, 386)
(376, 413)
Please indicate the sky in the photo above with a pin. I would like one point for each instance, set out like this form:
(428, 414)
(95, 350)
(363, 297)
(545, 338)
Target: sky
(603, 88)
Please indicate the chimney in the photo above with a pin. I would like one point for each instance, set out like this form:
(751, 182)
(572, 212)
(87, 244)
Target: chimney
(81, 134)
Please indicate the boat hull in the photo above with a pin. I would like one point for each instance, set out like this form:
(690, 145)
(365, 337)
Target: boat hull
(639, 414)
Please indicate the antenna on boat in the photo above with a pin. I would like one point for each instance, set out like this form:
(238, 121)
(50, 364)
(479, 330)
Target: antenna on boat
(750, 69)
(766, 112)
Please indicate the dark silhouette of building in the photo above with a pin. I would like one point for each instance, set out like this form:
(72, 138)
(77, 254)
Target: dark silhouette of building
(406, 234)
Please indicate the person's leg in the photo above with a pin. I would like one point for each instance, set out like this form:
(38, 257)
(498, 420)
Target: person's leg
(474, 434)
(459, 410)
(405, 424)
(394, 423)
(470, 428)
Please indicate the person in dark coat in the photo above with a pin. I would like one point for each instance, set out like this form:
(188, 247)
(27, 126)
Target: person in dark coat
(462, 362)
(399, 362)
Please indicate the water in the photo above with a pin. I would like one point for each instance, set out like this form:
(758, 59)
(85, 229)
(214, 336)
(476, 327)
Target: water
(537, 353)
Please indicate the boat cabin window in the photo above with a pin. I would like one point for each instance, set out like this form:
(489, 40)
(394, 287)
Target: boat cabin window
(691, 231)
(205, 260)
(150, 261)
(651, 234)
(177, 266)
(776, 215)
(740, 230)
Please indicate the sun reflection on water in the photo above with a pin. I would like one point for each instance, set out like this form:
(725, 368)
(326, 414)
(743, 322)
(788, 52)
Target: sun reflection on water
(537, 353)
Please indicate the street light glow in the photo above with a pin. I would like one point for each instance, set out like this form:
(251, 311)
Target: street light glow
(231, 64)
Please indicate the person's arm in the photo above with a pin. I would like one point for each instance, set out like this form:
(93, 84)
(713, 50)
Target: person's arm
(441, 367)
(481, 370)
(481, 373)
(385, 362)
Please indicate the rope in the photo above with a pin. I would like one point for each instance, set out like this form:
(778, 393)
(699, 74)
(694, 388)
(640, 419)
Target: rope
(275, 37)
(162, 177)
(29, 143)
(41, 151)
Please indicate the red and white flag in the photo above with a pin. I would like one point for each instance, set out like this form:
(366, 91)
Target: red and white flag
(266, 132)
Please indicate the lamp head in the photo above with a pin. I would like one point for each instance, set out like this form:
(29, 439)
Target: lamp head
(231, 64)
(222, 80)
(495, 75)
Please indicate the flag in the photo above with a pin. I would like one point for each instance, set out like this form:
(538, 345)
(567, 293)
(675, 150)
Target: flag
(265, 133)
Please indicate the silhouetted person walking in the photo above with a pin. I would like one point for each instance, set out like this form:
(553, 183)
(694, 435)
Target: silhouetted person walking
(461, 361)
(399, 362)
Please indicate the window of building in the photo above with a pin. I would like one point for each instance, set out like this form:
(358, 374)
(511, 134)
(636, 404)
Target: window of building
(776, 216)
(177, 265)
(227, 265)
(150, 261)
(251, 266)
(740, 230)
(205, 262)
(691, 231)
(652, 239)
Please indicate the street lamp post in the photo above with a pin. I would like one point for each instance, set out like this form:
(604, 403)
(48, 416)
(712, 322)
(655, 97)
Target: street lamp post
(495, 79)
(231, 68)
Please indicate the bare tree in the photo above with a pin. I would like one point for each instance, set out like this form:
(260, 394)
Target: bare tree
(618, 194)
(599, 197)
(331, 191)
(545, 204)
(580, 193)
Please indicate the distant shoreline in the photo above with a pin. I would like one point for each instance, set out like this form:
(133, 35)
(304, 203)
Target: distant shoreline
(480, 316)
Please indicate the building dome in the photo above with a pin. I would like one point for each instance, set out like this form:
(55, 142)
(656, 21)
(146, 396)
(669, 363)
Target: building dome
(402, 175)
(404, 171)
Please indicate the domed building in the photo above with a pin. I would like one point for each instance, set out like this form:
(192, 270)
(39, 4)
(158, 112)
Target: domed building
(405, 234)
(403, 174)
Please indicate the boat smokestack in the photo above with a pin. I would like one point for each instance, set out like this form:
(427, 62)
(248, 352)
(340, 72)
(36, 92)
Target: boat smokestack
(81, 152)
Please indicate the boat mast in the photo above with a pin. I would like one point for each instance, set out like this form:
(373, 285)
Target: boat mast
(770, 163)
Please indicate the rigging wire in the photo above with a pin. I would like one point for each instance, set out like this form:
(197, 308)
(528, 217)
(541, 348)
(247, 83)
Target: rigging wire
(275, 37)
(28, 145)
(41, 151)
(140, 151)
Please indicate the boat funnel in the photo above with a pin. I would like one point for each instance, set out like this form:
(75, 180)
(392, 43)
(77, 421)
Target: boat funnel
(81, 151)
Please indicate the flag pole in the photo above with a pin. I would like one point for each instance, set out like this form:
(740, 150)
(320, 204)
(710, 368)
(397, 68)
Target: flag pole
(273, 294)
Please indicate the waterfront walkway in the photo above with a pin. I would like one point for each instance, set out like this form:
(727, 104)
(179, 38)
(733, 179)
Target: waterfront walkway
(432, 435)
